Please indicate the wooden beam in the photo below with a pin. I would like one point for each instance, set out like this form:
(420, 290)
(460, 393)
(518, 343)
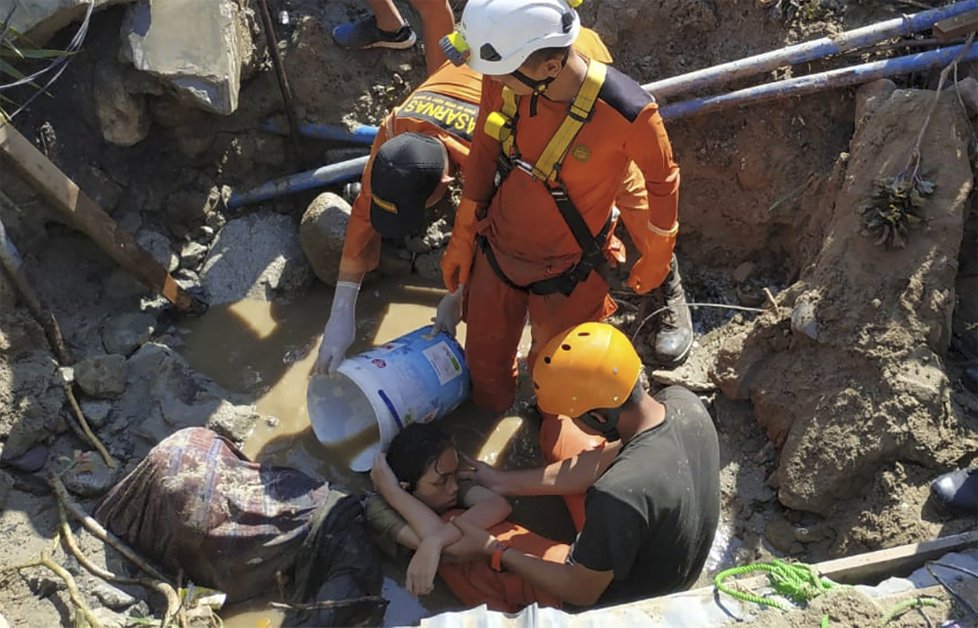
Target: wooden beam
(895, 561)
(954, 27)
(82, 212)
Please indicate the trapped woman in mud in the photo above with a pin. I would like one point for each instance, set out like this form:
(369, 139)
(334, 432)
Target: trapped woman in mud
(418, 495)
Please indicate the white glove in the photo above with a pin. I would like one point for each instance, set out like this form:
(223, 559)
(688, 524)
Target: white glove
(449, 312)
(341, 328)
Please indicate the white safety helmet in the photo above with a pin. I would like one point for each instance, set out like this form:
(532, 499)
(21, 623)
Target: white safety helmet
(501, 34)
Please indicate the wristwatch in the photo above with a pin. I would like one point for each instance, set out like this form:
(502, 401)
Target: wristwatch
(496, 560)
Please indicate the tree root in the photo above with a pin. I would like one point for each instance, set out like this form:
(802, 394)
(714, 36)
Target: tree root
(73, 592)
(89, 434)
(173, 605)
(96, 528)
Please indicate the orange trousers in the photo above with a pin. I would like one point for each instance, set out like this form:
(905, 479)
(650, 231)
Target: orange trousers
(476, 583)
(495, 316)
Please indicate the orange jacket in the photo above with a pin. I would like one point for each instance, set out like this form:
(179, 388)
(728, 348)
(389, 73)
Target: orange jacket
(528, 235)
(445, 107)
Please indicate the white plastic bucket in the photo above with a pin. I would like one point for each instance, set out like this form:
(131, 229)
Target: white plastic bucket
(415, 378)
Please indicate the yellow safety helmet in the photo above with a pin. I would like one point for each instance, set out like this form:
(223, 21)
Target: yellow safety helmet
(587, 367)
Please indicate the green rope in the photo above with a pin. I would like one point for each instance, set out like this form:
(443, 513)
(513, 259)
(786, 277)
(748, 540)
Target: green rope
(908, 605)
(796, 581)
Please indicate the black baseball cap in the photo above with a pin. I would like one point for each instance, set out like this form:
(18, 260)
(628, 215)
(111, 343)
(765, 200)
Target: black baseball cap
(406, 170)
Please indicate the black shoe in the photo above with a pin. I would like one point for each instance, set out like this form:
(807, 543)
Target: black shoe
(958, 491)
(364, 33)
(674, 337)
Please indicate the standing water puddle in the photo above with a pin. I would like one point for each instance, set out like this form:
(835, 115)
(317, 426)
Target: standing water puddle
(267, 351)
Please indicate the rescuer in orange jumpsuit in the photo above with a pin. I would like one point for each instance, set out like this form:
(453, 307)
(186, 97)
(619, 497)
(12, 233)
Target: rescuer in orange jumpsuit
(418, 150)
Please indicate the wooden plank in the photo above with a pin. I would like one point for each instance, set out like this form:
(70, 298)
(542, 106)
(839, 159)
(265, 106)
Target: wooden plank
(895, 561)
(866, 568)
(954, 27)
(65, 196)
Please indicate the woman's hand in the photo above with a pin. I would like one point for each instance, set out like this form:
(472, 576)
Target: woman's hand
(382, 476)
(423, 567)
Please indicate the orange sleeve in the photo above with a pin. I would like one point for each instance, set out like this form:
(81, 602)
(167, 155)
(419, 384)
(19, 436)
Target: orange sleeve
(361, 247)
(480, 168)
(648, 146)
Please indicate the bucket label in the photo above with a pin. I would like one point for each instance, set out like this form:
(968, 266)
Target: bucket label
(443, 361)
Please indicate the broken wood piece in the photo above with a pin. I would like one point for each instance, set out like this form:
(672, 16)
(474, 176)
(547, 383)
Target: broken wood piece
(88, 217)
(957, 26)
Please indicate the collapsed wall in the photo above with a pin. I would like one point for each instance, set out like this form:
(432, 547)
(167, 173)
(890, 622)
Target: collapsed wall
(848, 376)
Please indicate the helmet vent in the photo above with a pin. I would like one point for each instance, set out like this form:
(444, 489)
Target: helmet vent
(488, 53)
(547, 360)
(565, 347)
(567, 21)
(583, 333)
(536, 386)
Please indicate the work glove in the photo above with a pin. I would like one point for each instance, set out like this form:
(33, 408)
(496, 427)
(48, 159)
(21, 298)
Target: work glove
(651, 269)
(449, 312)
(341, 328)
(456, 263)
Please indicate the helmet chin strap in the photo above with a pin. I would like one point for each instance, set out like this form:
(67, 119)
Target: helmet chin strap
(538, 86)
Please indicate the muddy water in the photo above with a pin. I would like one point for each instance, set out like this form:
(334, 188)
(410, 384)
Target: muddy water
(267, 351)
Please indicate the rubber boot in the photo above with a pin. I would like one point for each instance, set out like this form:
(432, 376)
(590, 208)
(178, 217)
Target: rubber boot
(958, 491)
(674, 338)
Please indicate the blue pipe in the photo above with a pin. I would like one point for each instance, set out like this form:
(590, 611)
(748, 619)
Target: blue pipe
(816, 82)
(806, 51)
(357, 134)
(309, 180)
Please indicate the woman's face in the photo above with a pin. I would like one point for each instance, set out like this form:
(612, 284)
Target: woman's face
(437, 488)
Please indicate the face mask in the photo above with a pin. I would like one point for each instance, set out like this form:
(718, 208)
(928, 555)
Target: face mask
(606, 425)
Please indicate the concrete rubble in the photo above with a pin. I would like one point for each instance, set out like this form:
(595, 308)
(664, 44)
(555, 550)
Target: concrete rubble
(255, 257)
(40, 19)
(322, 232)
(193, 46)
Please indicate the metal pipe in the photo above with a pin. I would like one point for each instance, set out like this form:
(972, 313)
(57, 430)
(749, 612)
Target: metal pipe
(806, 51)
(309, 180)
(283, 79)
(357, 134)
(816, 82)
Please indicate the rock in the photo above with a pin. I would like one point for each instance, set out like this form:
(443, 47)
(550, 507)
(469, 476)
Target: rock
(322, 233)
(192, 254)
(30, 462)
(186, 210)
(780, 534)
(968, 89)
(102, 376)
(743, 272)
(123, 117)
(233, 422)
(126, 332)
(108, 618)
(3, 622)
(192, 45)
(164, 395)
(113, 598)
(8, 292)
(871, 95)
(803, 320)
(96, 412)
(258, 257)
(158, 245)
(6, 483)
(89, 476)
(121, 284)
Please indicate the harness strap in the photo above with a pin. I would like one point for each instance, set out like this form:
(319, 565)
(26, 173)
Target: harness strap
(579, 113)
